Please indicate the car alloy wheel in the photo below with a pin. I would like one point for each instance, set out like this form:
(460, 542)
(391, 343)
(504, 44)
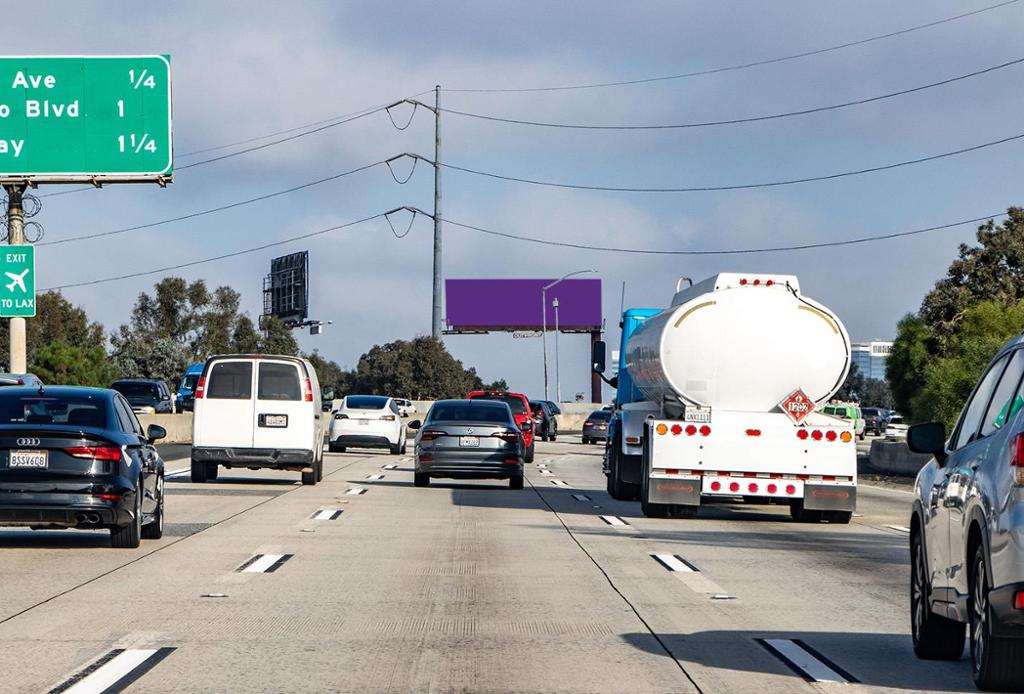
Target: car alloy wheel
(979, 615)
(918, 592)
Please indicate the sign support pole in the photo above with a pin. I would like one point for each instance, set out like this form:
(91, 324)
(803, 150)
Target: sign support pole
(16, 237)
(436, 313)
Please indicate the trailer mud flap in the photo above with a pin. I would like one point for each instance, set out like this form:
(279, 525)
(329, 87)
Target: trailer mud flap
(685, 491)
(631, 469)
(829, 498)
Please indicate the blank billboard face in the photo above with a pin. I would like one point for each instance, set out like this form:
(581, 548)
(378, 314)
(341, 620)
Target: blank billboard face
(517, 304)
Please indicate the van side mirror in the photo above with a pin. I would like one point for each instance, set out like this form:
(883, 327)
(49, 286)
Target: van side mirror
(598, 357)
(155, 432)
(414, 424)
(929, 438)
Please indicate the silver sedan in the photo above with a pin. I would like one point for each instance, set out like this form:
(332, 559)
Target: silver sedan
(469, 439)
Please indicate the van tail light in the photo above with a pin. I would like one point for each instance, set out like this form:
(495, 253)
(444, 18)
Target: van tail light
(507, 436)
(431, 434)
(95, 452)
(1017, 459)
(388, 417)
(307, 390)
(200, 387)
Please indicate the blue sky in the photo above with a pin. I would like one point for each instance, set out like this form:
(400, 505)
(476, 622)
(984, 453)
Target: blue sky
(246, 69)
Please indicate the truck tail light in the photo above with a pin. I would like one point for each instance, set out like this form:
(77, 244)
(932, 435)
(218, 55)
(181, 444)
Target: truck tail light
(1017, 458)
(661, 429)
(802, 434)
(200, 387)
(846, 437)
(676, 430)
(831, 436)
(753, 432)
(431, 434)
(691, 430)
(816, 435)
(705, 430)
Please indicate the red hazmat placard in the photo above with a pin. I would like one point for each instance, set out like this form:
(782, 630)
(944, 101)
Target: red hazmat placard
(797, 405)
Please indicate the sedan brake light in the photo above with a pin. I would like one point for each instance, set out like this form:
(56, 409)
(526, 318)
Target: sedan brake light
(1017, 458)
(509, 436)
(431, 434)
(95, 452)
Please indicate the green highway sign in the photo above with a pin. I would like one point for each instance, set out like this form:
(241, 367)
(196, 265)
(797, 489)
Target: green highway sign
(17, 281)
(85, 118)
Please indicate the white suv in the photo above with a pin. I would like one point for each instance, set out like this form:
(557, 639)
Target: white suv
(367, 421)
(257, 411)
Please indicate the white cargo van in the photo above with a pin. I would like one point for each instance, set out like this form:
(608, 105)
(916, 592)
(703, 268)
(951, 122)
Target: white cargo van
(257, 411)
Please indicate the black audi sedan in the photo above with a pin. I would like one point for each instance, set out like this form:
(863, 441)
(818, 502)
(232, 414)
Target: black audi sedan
(78, 458)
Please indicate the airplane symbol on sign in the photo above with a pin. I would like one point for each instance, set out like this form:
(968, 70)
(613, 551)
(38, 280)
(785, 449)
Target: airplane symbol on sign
(18, 280)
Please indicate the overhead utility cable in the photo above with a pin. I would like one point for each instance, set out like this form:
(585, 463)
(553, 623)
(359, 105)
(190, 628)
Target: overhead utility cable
(744, 66)
(735, 121)
(723, 251)
(220, 208)
(736, 186)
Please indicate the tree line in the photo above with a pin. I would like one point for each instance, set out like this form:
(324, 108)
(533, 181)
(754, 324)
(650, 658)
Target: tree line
(940, 350)
(182, 323)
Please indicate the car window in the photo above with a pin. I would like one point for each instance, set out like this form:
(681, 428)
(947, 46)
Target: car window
(366, 402)
(279, 382)
(971, 419)
(394, 407)
(230, 380)
(513, 401)
(137, 390)
(999, 411)
(130, 423)
(189, 382)
(75, 410)
(458, 412)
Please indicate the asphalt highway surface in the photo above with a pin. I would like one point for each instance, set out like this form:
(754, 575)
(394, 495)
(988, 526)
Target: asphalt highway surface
(364, 583)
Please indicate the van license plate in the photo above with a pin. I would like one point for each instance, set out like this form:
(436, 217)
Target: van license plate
(275, 420)
(469, 441)
(33, 459)
(698, 416)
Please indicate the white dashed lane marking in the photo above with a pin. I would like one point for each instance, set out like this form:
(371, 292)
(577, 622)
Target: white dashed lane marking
(581, 497)
(898, 528)
(327, 514)
(806, 661)
(264, 563)
(673, 562)
(390, 466)
(355, 491)
(375, 477)
(113, 672)
(547, 473)
(559, 483)
(613, 520)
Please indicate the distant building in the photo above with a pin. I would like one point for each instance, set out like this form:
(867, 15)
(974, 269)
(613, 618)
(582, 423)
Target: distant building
(871, 357)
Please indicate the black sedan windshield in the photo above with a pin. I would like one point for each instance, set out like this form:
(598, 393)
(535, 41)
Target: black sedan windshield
(46, 409)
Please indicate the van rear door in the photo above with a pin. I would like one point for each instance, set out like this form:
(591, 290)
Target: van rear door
(226, 415)
(283, 418)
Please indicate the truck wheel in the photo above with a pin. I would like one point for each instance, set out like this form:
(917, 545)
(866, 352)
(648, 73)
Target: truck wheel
(395, 450)
(618, 489)
(198, 473)
(801, 515)
(648, 509)
(528, 458)
(684, 511)
(935, 637)
(309, 477)
(320, 470)
(838, 517)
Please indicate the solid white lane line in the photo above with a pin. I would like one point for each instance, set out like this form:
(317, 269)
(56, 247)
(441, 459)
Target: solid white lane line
(898, 528)
(673, 562)
(355, 491)
(264, 563)
(115, 673)
(581, 497)
(327, 514)
(175, 473)
(559, 483)
(807, 662)
(613, 520)
(375, 477)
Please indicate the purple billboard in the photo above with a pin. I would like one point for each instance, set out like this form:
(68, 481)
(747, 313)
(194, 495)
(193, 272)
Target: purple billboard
(473, 305)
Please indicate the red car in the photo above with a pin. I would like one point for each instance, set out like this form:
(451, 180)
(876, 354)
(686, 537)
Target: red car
(520, 407)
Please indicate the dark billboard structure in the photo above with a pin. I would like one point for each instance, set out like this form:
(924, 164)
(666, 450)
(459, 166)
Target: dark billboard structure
(286, 288)
(511, 305)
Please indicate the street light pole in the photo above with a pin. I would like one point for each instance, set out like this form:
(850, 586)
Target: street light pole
(558, 380)
(544, 322)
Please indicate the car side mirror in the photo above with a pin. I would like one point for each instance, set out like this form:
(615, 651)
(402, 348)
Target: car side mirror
(929, 438)
(598, 357)
(414, 424)
(155, 432)
(613, 381)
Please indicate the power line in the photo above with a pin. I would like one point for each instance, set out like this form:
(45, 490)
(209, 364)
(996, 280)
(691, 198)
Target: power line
(724, 251)
(743, 66)
(735, 121)
(221, 208)
(223, 256)
(738, 186)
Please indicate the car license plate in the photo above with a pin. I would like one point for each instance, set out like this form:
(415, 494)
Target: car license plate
(469, 441)
(36, 459)
(363, 422)
(697, 415)
(275, 420)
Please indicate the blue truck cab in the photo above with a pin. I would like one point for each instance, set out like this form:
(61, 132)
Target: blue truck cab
(185, 398)
(625, 448)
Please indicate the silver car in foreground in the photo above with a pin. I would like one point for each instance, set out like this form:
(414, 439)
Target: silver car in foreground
(967, 530)
(467, 439)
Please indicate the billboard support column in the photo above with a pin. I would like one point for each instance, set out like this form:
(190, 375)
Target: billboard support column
(435, 318)
(595, 378)
(16, 237)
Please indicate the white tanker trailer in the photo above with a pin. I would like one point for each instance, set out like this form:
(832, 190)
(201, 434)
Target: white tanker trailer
(723, 388)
